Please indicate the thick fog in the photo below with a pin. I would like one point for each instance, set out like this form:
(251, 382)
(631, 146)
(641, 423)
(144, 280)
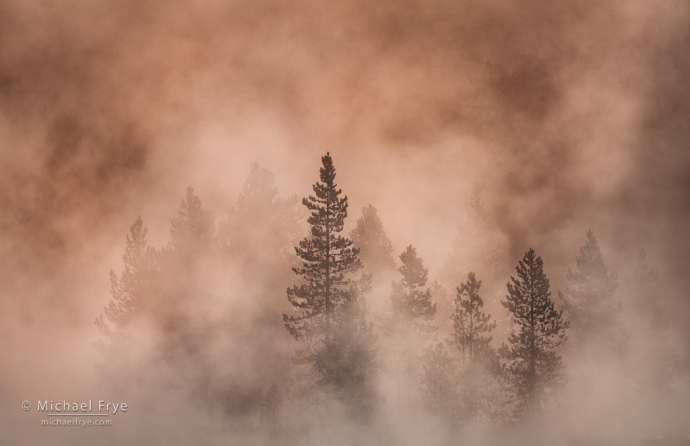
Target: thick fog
(553, 117)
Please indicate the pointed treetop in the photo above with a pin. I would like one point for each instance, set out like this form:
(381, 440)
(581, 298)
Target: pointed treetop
(412, 269)
(369, 236)
(327, 172)
(258, 191)
(477, 211)
(192, 224)
(590, 264)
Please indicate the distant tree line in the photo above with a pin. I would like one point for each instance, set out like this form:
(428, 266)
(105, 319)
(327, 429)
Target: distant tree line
(424, 352)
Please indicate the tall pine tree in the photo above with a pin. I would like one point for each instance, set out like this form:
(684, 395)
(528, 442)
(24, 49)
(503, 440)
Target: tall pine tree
(185, 332)
(329, 306)
(534, 369)
(264, 227)
(374, 246)
(479, 364)
(406, 324)
(257, 242)
(590, 305)
(409, 302)
(439, 384)
(131, 293)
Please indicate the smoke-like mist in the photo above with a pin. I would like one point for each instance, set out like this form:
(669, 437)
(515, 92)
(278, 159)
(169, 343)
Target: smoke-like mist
(569, 115)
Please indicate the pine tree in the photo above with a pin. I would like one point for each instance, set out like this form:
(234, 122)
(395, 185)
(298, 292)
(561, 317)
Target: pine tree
(438, 382)
(534, 369)
(445, 307)
(477, 211)
(329, 301)
(185, 333)
(405, 326)
(299, 393)
(264, 227)
(469, 323)
(474, 246)
(654, 359)
(375, 247)
(589, 303)
(479, 365)
(131, 293)
(409, 303)
(354, 351)
(193, 230)
(256, 242)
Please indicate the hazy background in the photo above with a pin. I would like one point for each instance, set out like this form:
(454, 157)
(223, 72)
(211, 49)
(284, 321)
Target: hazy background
(571, 115)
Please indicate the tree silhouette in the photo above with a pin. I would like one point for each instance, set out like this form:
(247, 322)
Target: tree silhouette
(329, 302)
(588, 303)
(131, 293)
(534, 369)
(193, 230)
(374, 246)
(408, 302)
(405, 326)
(438, 382)
(479, 364)
(264, 227)
(186, 283)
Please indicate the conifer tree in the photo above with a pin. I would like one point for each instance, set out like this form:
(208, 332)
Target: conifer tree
(354, 351)
(409, 303)
(405, 324)
(589, 303)
(185, 334)
(474, 246)
(375, 247)
(193, 230)
(479, 364)
(534, 369)
(654, 359)
(130, 293)
(471, 326)
(438, 382)
(477, 211)
(445, 307)
(264, 227)
(329, 303)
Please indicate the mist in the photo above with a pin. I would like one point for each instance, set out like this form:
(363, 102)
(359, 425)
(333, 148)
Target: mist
(567, 117)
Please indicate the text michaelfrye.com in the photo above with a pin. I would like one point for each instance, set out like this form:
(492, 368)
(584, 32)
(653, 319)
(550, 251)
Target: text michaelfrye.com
(76, 422)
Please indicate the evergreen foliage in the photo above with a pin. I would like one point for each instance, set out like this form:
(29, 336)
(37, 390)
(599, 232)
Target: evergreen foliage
(535, 369)
(479, 368)
(193, 230)
(405, 326)
(131, 293)
(439, 383)
(264, 227)
(477, 211)
(471, 326)
(370, 238)
(589, 303)
(409, 303)
(329, 302)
